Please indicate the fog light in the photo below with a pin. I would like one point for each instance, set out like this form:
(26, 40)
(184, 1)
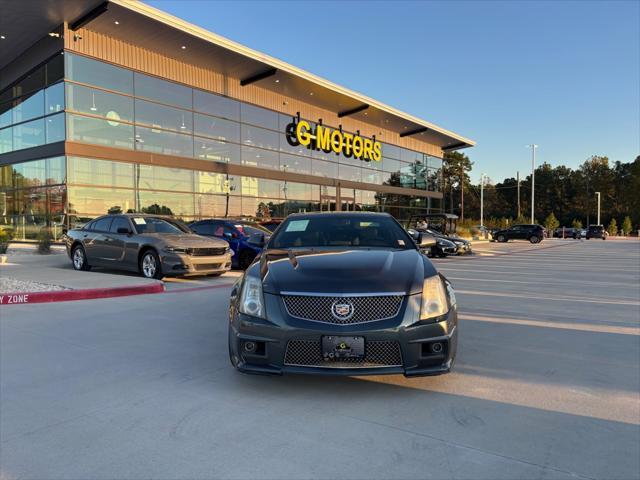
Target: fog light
(249, 347)
(437, 347)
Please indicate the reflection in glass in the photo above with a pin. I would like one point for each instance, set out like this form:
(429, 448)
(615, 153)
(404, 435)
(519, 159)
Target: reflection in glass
(256, 157)
(101, 132)
(259, 137)
(6, 114)
(167, 203)
(217, 151)
(85, 70)
(28, 107)
(151, 177)
(159, 116)
(295, 164)
(94, 201)
(350, 172)
(217, 128)
(90, 171)
(96, 102)
(258, 116)
(27, 135)
(324, 169)
(54, 98)
(55, 128)
(6, 140)
(216, 105)
(159, 141)
(163, 91)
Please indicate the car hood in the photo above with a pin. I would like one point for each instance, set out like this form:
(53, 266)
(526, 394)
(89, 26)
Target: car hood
(343, 271)
(186, 240)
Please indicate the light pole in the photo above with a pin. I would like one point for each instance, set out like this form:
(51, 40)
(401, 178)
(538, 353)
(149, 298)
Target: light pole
(533, 147)
(598, 194)
(481, 200)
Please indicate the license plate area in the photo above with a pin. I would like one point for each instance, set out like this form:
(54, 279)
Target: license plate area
(337, 348)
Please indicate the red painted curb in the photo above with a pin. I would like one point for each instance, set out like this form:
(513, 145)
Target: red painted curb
(197, 289)
(70, 295)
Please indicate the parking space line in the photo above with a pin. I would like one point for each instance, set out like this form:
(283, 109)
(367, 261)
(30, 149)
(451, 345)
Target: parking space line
(555, 298)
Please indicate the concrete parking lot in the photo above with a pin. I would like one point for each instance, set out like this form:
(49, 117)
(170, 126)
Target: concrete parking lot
(547, 384)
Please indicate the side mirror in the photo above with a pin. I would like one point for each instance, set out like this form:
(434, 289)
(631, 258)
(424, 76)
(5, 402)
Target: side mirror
(414, 234)
(257, 239)
(124, 230)
(426, 241)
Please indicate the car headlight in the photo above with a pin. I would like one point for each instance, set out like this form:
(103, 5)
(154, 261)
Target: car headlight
(458, 243)
(175, 250)
(434, 298)
(440, 243)
(251, 298)
(228, 251)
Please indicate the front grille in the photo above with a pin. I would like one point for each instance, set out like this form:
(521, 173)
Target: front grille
(206, 266)
(206, 252)
(365, 309)
(308, 353)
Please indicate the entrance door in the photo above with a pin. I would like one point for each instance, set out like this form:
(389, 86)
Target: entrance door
(348, 204)
(327, 203)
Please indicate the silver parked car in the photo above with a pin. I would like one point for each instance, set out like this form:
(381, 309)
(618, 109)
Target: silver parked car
(152, 245)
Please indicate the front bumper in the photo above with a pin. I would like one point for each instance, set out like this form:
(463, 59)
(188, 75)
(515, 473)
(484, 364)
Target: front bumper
(464, 249)
(178, 264)
(285, 344)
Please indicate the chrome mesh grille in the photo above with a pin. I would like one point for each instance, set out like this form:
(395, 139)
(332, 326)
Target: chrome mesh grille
(365, 309)
(206, 252)
(308, 353)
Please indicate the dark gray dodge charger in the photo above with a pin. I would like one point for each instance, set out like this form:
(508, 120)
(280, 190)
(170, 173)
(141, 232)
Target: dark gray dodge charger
(343, 294)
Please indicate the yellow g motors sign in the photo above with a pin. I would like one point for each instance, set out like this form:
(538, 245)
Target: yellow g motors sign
(299, 132)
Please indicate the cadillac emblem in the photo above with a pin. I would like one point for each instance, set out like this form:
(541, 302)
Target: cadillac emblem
(342, 309)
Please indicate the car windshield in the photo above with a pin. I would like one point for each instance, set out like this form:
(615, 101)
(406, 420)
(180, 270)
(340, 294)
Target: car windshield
(341, 231)
(249, 229)
(156, 225)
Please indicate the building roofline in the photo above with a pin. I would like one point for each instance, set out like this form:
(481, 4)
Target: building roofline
(203, 34)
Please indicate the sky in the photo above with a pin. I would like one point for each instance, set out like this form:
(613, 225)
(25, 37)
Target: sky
(564, 75)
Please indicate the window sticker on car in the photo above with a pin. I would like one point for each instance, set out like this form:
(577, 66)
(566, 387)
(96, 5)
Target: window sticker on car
(297, 226)
(139, 221)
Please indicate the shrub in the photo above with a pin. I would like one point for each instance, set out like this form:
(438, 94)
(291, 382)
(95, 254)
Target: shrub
(613, 227)
(44, 241)
(551, 223)
(5, 238)
(627, 226)
(577, 224)
(463, 232)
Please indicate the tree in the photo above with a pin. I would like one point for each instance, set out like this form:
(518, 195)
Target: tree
(577, 224)
(613, 227)
(627, 226)
(455, 167)
(115, 210)
(551, 223)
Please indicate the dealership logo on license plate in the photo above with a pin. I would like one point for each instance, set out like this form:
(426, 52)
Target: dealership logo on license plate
(342, 310)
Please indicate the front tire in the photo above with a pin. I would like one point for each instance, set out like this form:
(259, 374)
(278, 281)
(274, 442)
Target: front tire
(79, 259)
(501, 238)
(534, 239)
(150, 266)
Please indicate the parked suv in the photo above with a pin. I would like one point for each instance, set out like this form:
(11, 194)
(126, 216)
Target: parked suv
(596, 231)
(246, 239)
(533, 233)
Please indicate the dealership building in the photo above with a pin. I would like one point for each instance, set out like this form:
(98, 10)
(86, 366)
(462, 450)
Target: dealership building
(117, 106)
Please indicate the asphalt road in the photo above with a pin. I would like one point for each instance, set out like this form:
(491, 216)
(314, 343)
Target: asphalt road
(547, 385)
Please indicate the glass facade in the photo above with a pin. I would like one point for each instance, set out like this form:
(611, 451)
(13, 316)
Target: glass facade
(84, 100)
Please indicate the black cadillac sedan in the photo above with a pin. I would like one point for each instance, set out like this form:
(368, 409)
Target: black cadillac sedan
(343, 294)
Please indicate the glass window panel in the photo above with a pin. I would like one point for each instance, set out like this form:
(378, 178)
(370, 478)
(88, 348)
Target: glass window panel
(390, 164)
(163, 178)
(219, 206)
(322, 155)
(217, 151)
(159, 116)
(349, 172)
(284, 120)
(434, 179)
(28, 107)
(56, 170)
(217, 128)
(89, 171)
(324, 169)
(300, 150)
(212, 182)
(33, 82)
(85, 70)
(259, 137)
(259, 207)
(159, 141)
(27, 135)
(372, 176)
(216, 105)
(390, 151)
(163, 91)
(293, 163)
(434, 162)
(54, 98)
(100, 132)
(258, 116)
(6, 140)
(257, 157)
(391, 178)
(6, 114)
(6, 178)
(92, 201)
(167, 203)
(96, 102)
(410, 156)
(30, 174)
(297, 191)
(55, 128)
(55, 69)
(260, 187)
